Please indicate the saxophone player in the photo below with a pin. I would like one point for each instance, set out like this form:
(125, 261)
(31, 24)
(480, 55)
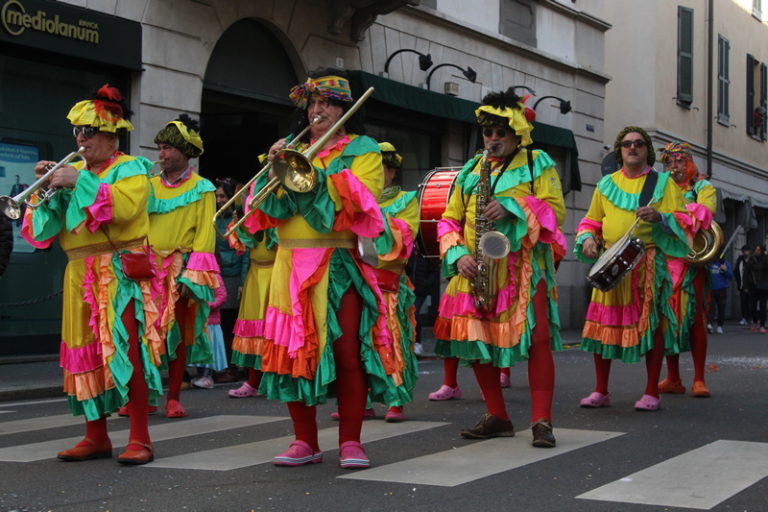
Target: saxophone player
(506, 313)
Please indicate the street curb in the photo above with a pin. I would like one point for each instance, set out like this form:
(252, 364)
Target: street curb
(8, 395)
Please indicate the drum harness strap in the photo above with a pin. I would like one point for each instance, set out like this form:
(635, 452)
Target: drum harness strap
(650, 184)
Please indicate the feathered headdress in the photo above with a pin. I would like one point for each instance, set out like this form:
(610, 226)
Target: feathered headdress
(507, 108)
(106, 111)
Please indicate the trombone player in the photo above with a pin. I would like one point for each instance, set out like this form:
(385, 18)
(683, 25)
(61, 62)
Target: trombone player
(107, 336)
(518, 191)
(318, 274)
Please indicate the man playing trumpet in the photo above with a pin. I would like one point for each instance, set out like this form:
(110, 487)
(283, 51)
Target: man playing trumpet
(525, 203)
(110, 349)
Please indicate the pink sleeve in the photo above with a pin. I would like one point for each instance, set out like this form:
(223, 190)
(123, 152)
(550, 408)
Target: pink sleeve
(100, 212)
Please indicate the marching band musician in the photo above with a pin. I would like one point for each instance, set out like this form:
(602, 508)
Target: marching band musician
(634, 318)
(691, 282)
(526, 204)
(110, 348)
(183, 239)
(394, 247)
(326, 319)
(249, 326)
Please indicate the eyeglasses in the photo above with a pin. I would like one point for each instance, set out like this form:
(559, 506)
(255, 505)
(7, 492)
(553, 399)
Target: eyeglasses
(85, 131)
(500, 132)
(638, 143)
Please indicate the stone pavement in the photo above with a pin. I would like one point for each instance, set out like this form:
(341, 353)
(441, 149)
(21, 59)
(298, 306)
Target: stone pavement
(28, 377)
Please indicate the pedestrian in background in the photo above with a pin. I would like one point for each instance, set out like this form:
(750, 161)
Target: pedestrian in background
(744, 284)
(758, 266)
(722, 274)
(234, 269)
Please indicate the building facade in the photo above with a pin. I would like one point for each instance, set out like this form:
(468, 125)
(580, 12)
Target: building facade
(232, 62)
(695, 71)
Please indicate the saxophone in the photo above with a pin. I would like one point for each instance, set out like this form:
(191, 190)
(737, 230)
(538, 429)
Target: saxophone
(490, 245)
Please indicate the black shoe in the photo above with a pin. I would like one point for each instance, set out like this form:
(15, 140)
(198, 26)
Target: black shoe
(489, 426)
(542, 434)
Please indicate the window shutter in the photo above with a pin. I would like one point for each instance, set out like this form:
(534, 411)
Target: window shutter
(750, 95)
(763, 100)
(685, 55)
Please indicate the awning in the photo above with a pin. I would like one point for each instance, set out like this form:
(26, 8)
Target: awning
(435, 104)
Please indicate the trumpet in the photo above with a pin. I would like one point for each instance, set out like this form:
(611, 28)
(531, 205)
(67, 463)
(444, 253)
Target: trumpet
(11, 206)
(294, 169)
(247, 187)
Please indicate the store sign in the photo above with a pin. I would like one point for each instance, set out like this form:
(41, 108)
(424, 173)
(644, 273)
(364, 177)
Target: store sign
(16, 20)
(71, 30)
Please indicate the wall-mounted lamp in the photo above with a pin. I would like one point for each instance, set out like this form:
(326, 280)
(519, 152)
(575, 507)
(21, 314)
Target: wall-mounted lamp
(515, 87)
(565, 106)
(468, 73)
(425, 61)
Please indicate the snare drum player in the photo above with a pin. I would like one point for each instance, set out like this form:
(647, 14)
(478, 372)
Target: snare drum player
(634, 318)
(525, 201)
(692, 283)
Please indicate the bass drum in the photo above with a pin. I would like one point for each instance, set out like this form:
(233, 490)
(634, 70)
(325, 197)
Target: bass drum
(434, 192)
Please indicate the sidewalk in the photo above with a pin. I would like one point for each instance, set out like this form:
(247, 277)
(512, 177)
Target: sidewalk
(29, 377)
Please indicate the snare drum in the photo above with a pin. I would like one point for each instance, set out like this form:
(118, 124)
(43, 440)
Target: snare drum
(620, 259)
(434, 193)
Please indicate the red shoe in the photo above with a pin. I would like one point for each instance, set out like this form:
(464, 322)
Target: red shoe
(86, 450)
(136, 453)
(174, 409)
(368, 414)
(298, 454)
(669, 386)
(700, 390)
(123, 411)
(394, 415)
(352, 456)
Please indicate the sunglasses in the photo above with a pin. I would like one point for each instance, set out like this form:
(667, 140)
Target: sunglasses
(638, 143)
(500, 132)
(85, 131)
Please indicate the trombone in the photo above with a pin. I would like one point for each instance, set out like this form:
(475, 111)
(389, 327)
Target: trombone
(247, 187)
(294, 169)
(11, 206)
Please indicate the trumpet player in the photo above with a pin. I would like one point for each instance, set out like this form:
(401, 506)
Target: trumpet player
(634, 318)
(517, 192)
(110, 350)
(325, 317)
(692, 284)
(183, 239)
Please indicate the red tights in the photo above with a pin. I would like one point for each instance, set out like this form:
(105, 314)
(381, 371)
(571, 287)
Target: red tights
(698, 340)
(178, 365)
(653, 360)
(351, 381)
(541, 368)
(138, 391)
(254, 378)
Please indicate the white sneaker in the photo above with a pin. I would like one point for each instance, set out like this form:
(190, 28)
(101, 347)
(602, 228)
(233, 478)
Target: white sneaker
(418, 349)
(709, 328)
(719, 330)
(743, 321)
